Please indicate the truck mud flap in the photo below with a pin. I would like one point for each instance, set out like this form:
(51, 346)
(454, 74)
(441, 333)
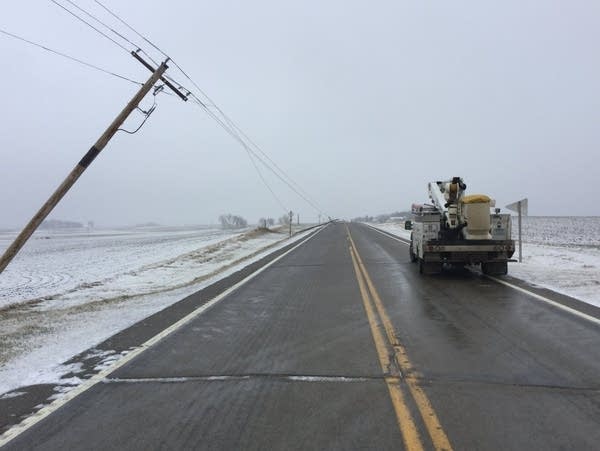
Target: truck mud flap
(494, 268)
(426, 267)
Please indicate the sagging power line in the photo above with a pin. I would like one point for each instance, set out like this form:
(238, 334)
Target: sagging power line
(224, 121)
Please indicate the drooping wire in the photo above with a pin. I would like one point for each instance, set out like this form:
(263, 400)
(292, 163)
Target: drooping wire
(257, 147)
(260, 174)
(251, 154)
(72, 58)
(157, 90)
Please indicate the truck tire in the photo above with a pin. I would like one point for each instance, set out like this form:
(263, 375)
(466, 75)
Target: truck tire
(413, 256)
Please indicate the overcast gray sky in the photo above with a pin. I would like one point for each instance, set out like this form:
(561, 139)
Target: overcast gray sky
(362, 103)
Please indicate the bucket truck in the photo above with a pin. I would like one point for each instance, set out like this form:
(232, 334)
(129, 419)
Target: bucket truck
(459, 229)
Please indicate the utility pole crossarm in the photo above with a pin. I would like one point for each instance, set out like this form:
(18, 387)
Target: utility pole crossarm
(76, 172)
(163, 79)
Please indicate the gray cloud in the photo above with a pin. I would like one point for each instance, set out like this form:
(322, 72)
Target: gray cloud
(362, 104)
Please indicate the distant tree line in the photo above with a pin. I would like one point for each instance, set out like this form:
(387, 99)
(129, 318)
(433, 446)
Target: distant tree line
(383, 217)
(265, 223)
(229, 221)
(58, 224)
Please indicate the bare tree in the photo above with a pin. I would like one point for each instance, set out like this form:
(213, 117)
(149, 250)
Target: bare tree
(229, 221)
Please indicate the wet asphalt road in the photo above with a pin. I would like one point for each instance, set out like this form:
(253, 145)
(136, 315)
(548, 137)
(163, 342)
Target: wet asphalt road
(341, 344)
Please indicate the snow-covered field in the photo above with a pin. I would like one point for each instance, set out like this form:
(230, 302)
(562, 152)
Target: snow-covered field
(81, 267)
(560, 253)
(67, 291)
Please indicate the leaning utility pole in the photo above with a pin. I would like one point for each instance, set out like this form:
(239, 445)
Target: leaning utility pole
(87, 159)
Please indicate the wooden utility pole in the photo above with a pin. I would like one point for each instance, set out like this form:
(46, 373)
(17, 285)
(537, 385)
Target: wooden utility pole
(291, 219)
(87, 159)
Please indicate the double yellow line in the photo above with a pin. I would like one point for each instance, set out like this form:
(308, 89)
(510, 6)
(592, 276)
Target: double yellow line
(396, 365)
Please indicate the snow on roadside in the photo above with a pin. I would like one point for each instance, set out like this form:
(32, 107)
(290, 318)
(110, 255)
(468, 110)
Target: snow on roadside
(37, 339)
(571, 269)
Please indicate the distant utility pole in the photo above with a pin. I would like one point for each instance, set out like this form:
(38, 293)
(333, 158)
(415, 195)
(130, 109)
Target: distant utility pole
(83, 164)
(298, 219)
(291, 219)
(319, 218)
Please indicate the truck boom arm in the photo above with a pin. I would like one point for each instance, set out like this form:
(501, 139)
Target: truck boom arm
(445, 196)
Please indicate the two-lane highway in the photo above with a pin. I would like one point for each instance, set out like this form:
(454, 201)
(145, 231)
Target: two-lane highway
(341, 344)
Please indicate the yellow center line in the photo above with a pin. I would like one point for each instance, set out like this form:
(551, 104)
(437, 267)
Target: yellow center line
(406, 424)
(430, 418)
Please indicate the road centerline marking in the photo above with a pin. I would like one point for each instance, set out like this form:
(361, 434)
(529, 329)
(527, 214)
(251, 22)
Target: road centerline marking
(407, 426)
(436, 432)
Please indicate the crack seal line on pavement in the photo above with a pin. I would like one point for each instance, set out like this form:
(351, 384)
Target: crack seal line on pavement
(430, 419)
(241, 377)
(539, 297)
(38, 416)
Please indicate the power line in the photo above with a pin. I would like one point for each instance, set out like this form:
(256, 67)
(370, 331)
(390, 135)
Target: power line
(90, 25)
(134, 53)
(230, 127)
(257, 147)
(125, 38)
(131, 28)
(239, 135)
(260, 174)
(72, 58)
(238, 138)
(248, 151)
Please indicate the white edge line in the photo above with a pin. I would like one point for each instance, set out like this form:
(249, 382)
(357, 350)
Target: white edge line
(522, 290)
(549, 301)
(389, 235)
(38, 416)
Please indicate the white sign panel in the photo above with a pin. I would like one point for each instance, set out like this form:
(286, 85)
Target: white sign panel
(515, 206)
